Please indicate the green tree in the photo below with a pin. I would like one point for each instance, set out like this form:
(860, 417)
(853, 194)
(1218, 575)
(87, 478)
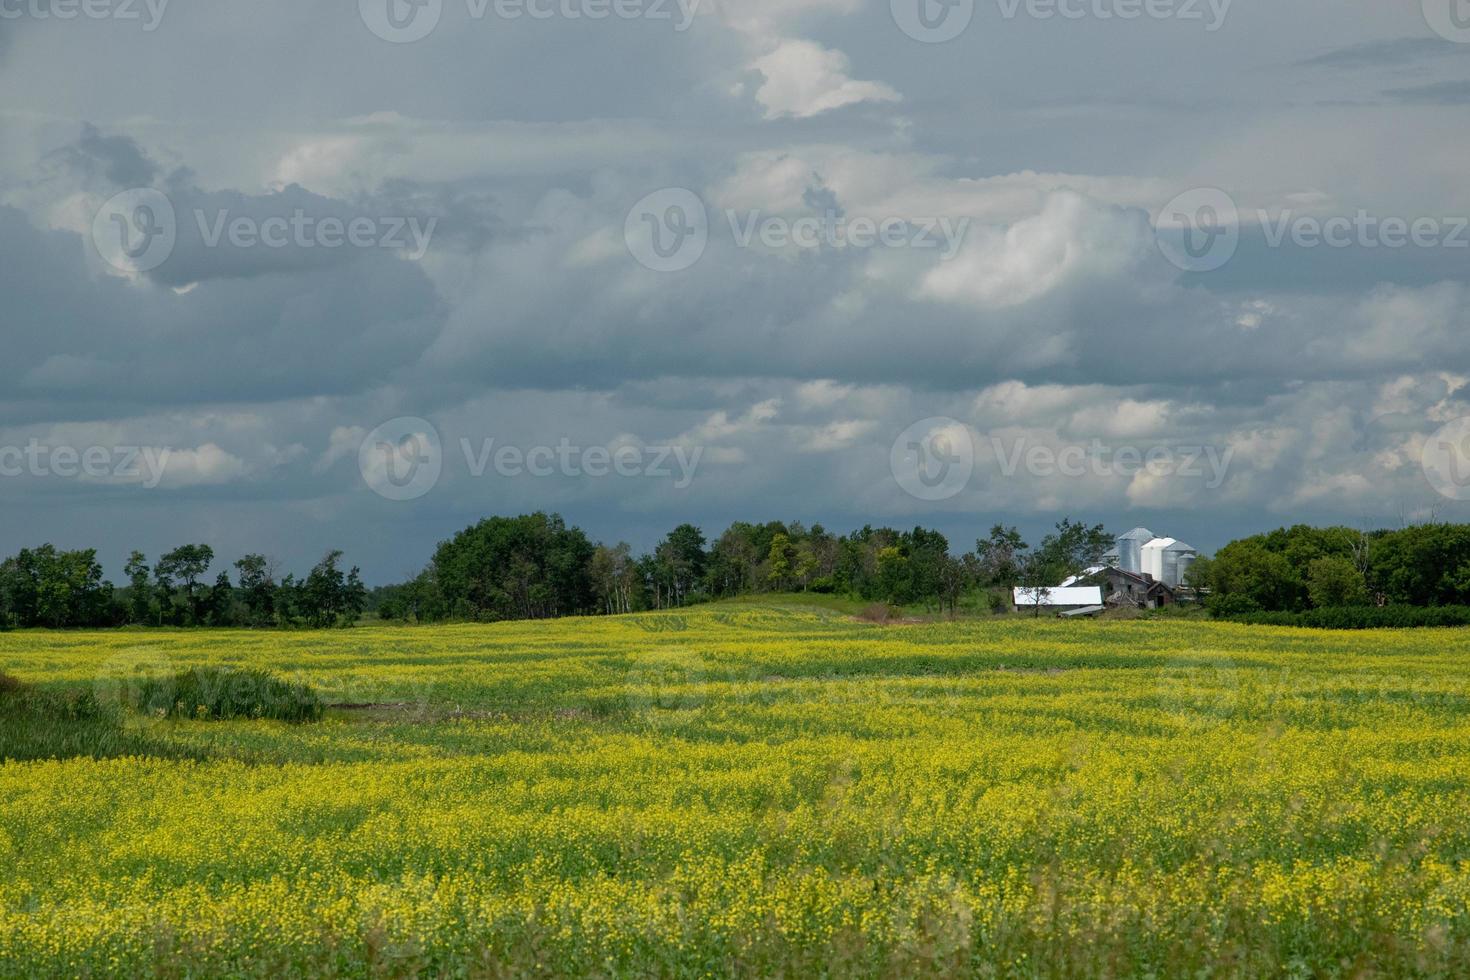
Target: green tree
(1000, 556)
(48, 587)
(257, 589)
(528, 567)
(1334, 581)
(188, 563)
(1073, 548)
(140, 595)
(779, 562)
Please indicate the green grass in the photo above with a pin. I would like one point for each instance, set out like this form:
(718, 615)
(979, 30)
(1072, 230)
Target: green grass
(224, 693)
(68, 723)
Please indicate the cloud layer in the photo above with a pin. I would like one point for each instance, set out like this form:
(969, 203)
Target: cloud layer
(889, 231)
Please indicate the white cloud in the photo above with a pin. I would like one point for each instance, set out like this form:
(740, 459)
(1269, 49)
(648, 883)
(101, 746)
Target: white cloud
(803, 79)
(1073, 238)
(836, 435)
(206, 465)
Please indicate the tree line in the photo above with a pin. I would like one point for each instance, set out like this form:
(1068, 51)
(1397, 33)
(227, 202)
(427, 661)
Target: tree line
(60, 589)
(1298, 569)
(535, 566)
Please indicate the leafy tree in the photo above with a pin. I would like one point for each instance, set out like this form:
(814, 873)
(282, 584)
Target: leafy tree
(780, 560)
(47, 587)
(140, 595)
(1245, 575)
(614, 578)
(956, 576)
(257, 589)
(682, 561)
(733, 561)
(187, 563)
(530, 567)
(219, 602)
(1074, 547)
(1001, 556)
(1334, 581)
(328, 597)
(895, 576)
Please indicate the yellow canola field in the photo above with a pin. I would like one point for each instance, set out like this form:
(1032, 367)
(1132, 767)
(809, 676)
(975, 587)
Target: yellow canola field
(760, 789)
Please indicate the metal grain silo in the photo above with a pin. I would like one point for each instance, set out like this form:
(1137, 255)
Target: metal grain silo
(1178, 558)
(1152, 558)
(1130, 549)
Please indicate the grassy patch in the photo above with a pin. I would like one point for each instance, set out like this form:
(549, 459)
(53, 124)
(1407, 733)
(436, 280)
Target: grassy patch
(43, 724)
(223, 693)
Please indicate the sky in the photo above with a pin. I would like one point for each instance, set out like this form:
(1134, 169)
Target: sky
(286, 277)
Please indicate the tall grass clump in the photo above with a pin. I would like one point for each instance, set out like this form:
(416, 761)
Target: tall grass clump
(224, 693)
(42, 724)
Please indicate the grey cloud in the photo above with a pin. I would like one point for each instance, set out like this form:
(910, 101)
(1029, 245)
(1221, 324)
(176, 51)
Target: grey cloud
(1439, 93)
(1398, 52)
(113, 158)
(529, 321)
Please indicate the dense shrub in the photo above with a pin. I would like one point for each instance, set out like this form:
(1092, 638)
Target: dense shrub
(219, 693)
(1359, 617)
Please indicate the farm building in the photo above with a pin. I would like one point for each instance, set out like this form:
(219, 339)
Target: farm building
(1125, 589)
(1059, 600)
(1122, 589)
